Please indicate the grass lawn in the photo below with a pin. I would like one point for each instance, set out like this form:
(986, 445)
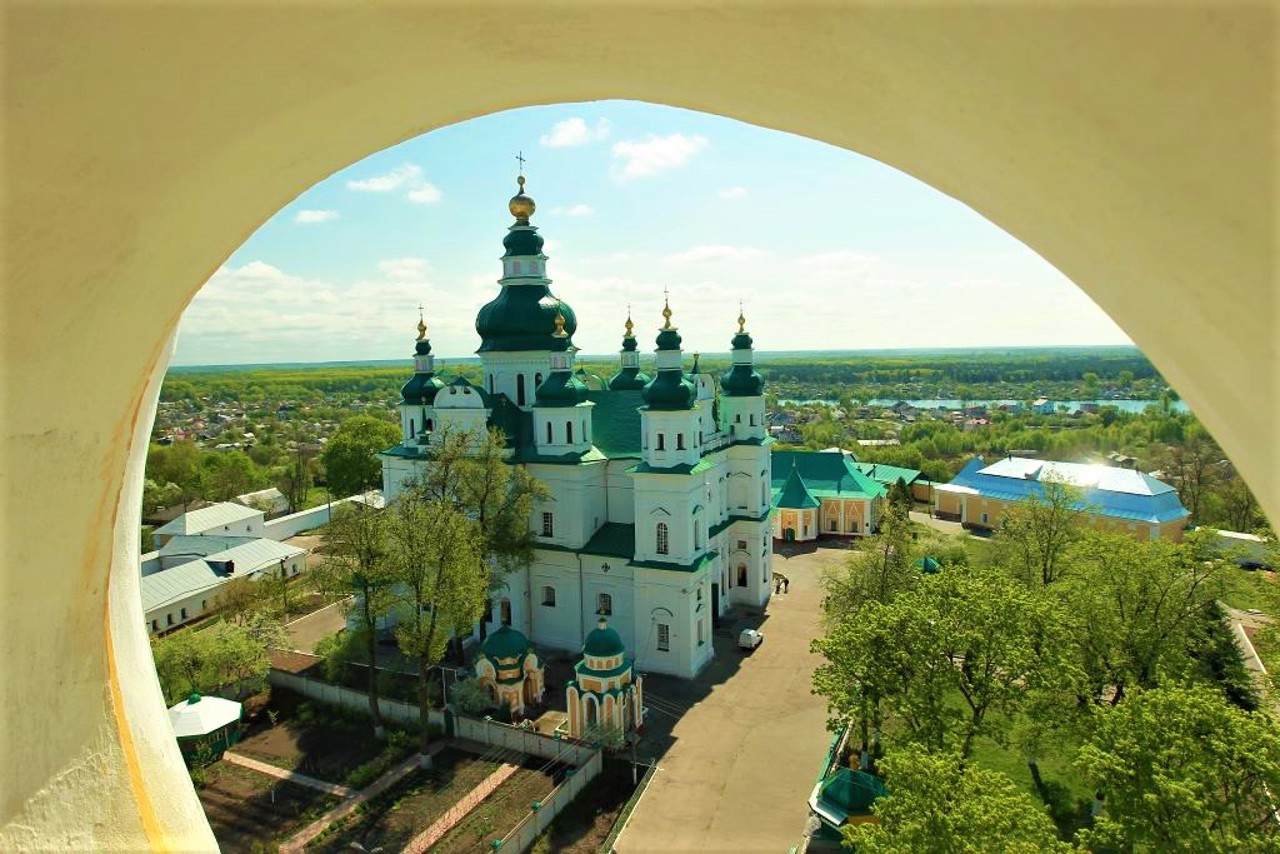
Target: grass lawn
(1065, 792)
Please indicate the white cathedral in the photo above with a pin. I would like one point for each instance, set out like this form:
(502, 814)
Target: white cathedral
(658, 509)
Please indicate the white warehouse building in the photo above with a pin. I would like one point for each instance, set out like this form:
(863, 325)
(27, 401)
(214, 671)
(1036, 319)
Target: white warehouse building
(658, 514)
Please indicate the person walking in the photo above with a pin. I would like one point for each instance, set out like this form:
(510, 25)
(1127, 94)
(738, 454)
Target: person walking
(786, 585)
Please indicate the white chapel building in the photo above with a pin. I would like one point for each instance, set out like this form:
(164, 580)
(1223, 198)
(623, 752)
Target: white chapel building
(658, 509)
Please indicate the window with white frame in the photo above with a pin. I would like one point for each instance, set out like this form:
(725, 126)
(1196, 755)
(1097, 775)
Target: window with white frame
(679, 441)
(549, 596)
(548, 524)
(663, 543)
(664, 637)
(662, 441)
(604, 605)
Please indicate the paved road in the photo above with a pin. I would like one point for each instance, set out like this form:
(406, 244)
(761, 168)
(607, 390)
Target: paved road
(306, 631)
(747, 753)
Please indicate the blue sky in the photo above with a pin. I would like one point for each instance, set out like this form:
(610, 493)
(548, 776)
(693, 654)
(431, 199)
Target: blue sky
(826, 249)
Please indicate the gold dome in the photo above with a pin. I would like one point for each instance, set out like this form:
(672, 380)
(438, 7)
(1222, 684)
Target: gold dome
(521, 206)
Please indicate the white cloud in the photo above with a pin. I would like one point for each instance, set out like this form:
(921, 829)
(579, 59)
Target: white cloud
(404, 268)
(715, 252)
(575, 131)
(309, 217)
(581, 210)
(425, 194)
(733, 192)
(642, 158)
(406, 175)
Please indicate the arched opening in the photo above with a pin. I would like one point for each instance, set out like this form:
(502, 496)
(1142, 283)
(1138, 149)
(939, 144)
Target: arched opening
(217, 185)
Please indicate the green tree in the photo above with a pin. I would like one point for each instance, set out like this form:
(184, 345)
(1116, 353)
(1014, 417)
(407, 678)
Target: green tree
(204, 660)
(231, 474)
(350, 456)
(880, 570)
(944, 655)
(1181, 769)
(1036, 534)
(938, 804)
(357, 563)
(1192, 467)
(1135, 607)
(900, 495)
(472, 475)
(436, 556)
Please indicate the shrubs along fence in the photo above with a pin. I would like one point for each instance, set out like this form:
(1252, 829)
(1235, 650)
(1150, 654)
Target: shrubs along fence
(395, 711)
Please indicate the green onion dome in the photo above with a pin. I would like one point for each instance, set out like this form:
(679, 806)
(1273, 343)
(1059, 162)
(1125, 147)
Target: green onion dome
(561, 388)
(421, 389)
(522, 317)
(669, 390)
(505, 643)
(603, 642)
(742, 341)
(629, 379)
(742, 381)
(422, 348)
(521, 241)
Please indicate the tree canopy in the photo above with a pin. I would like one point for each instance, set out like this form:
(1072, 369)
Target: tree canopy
(350, 456)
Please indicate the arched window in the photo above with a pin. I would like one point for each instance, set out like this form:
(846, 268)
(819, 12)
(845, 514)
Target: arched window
(549, 596)
(412, 431)
(504, 612)
(549, 441)
(679, 441)
(519, 389)
(742, 575)
(515, 268)
(568, 432)
(428, 425)
(604, 605)
(663, 545)
(537, 380)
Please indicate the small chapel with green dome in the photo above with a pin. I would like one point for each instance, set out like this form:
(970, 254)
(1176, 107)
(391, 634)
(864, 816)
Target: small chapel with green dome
(657, 515)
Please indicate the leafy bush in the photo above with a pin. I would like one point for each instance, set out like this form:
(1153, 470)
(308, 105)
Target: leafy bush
(470, 697)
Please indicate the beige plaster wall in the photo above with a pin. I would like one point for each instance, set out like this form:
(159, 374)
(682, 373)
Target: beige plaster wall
(1132, 147)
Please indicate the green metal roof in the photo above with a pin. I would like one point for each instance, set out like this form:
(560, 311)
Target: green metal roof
(615, 422)
(827, 475)
(888, 475)
(795, 495)
(848, 792)
(505, 642)
(683, 468)
(927, 565)
(603, 642)
(613, 539)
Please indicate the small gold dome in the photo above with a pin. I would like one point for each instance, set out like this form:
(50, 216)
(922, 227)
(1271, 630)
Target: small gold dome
(521, 206)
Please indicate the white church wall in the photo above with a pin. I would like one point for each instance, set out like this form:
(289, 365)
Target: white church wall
(558, 625)
(619, 492)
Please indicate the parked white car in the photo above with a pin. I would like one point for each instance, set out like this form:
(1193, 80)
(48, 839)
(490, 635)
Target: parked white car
(749, 639)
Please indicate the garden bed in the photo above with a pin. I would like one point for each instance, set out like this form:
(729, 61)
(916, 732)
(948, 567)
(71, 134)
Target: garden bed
(498, 814)
(251, 812)
(583, 826)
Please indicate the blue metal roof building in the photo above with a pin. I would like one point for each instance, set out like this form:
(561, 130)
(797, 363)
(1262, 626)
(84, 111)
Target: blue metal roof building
(1121, 494)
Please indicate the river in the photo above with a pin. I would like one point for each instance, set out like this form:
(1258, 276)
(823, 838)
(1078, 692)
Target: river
(1134, 406)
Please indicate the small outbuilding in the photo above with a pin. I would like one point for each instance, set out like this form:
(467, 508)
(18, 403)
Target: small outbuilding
(510, 669)
(203, 724)
(605, 691)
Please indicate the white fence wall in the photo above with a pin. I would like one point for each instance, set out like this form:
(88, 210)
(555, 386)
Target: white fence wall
(304, 520)
(587, 760)
(525, 741)
(357, 701)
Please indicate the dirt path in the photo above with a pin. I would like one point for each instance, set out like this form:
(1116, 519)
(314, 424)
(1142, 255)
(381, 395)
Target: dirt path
(423, 841)
(290, 776)
(299, 841)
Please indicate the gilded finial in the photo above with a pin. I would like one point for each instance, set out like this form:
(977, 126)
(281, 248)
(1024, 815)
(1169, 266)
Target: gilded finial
(521, 206)
(422, 325)
(666, 310)
(560, 333)
(629, 326)
(742, 321)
